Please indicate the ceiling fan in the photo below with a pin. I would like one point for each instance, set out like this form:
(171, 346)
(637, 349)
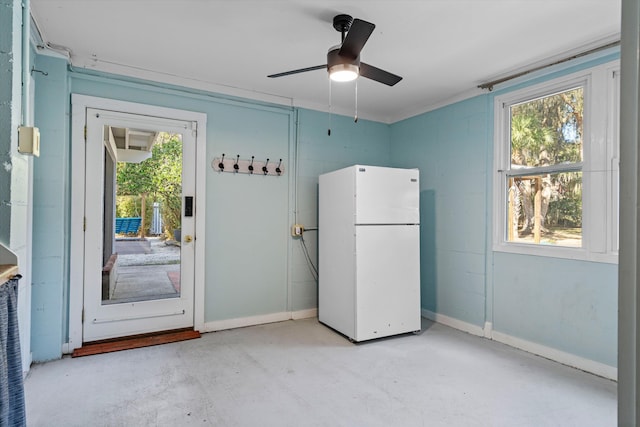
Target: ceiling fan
(343, 60)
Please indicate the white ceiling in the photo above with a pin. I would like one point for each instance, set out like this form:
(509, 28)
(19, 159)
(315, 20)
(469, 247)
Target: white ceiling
(442, 48)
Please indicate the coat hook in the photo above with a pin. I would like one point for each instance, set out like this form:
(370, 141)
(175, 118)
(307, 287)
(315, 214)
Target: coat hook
(264, 168)
(221, 164)
(44, 73)
(251, 165)
(235, 165)
(278, 170)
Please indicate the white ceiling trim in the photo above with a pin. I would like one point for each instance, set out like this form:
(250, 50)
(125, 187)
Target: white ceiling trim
(98, 65)
(171, 79)
(215, 88)
(558, 62)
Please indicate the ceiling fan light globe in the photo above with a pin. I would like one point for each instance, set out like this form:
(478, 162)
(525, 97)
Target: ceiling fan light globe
(343, 72)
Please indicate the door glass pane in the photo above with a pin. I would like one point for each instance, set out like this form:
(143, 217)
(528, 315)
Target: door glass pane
(142, 215)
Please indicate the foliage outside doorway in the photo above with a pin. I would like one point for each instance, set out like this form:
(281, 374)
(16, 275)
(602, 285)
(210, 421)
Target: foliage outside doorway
(157, 179)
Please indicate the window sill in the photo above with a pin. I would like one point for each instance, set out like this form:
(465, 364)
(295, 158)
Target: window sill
(579, 254)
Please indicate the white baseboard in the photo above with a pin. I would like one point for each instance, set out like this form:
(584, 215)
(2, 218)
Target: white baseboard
(304, 314)
(241, 322)
(488, 329)
(27, 368)
(221, 325)
(559, 356)
(453, 322)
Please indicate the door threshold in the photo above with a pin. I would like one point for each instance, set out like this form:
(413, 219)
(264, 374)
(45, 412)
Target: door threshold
(135, 341)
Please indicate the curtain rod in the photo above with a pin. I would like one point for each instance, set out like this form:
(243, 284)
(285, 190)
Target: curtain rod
(491, 84)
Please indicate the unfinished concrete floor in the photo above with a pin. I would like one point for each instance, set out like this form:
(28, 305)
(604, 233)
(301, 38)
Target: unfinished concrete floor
(300, 373)
(144, 282)
(148, 268)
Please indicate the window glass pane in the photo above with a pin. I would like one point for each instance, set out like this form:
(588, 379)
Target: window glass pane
(545, 209)
(547, 131)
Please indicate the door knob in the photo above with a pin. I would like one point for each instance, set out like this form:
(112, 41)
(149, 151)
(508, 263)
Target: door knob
(188, 239)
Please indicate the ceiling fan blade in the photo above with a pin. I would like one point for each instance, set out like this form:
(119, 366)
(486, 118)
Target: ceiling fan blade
(356, 38)
(373, 73)
(301, 70)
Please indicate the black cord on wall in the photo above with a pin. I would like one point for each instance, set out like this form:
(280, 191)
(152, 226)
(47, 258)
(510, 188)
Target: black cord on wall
(312, 268)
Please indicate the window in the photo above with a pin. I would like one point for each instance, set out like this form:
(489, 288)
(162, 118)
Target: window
(555, 185)
(545, 175)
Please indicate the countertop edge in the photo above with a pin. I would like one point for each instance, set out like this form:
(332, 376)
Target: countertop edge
(7, 271)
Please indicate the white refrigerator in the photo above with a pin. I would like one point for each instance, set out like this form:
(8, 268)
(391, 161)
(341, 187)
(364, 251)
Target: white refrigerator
(369, 251)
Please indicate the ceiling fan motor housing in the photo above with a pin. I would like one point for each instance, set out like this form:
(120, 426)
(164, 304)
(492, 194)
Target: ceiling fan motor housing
(343, 61)
(334, 58)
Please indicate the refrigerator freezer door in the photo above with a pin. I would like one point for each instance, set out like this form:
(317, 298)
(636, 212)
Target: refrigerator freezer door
(388, 280)
(387, 195)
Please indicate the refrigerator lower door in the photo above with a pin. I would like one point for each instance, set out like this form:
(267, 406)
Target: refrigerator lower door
(387, 280)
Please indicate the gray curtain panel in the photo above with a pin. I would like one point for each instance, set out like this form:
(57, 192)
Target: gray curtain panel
(12, 410)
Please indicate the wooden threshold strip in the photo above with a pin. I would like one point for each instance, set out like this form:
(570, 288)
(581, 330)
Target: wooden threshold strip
(135, 341)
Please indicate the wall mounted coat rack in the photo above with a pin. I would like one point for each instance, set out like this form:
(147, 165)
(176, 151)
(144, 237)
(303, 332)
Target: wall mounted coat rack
(252, 166)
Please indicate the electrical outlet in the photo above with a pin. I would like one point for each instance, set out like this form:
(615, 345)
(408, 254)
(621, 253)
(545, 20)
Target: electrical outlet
(297, 230)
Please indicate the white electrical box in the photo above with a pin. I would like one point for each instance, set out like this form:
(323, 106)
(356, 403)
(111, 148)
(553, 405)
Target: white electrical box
(29, 140)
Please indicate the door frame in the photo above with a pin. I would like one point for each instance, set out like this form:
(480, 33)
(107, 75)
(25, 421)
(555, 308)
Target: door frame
(79, 105)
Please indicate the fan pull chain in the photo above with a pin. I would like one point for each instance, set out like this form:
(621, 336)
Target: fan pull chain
(329, 129)
(355, 119)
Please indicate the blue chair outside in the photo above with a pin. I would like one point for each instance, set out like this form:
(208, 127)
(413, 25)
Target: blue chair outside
(128, 225)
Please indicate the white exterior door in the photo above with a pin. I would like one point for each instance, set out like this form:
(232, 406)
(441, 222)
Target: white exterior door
(107, 319)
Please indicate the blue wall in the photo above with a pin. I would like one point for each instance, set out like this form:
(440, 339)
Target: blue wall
(50, 210)
(253, 266)
(563, 304)
(15, 168)
(247, 215)
(450, 147)
(10, 93)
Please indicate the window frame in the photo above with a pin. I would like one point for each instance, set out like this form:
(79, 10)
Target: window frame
(613, 154)
(599, 179)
